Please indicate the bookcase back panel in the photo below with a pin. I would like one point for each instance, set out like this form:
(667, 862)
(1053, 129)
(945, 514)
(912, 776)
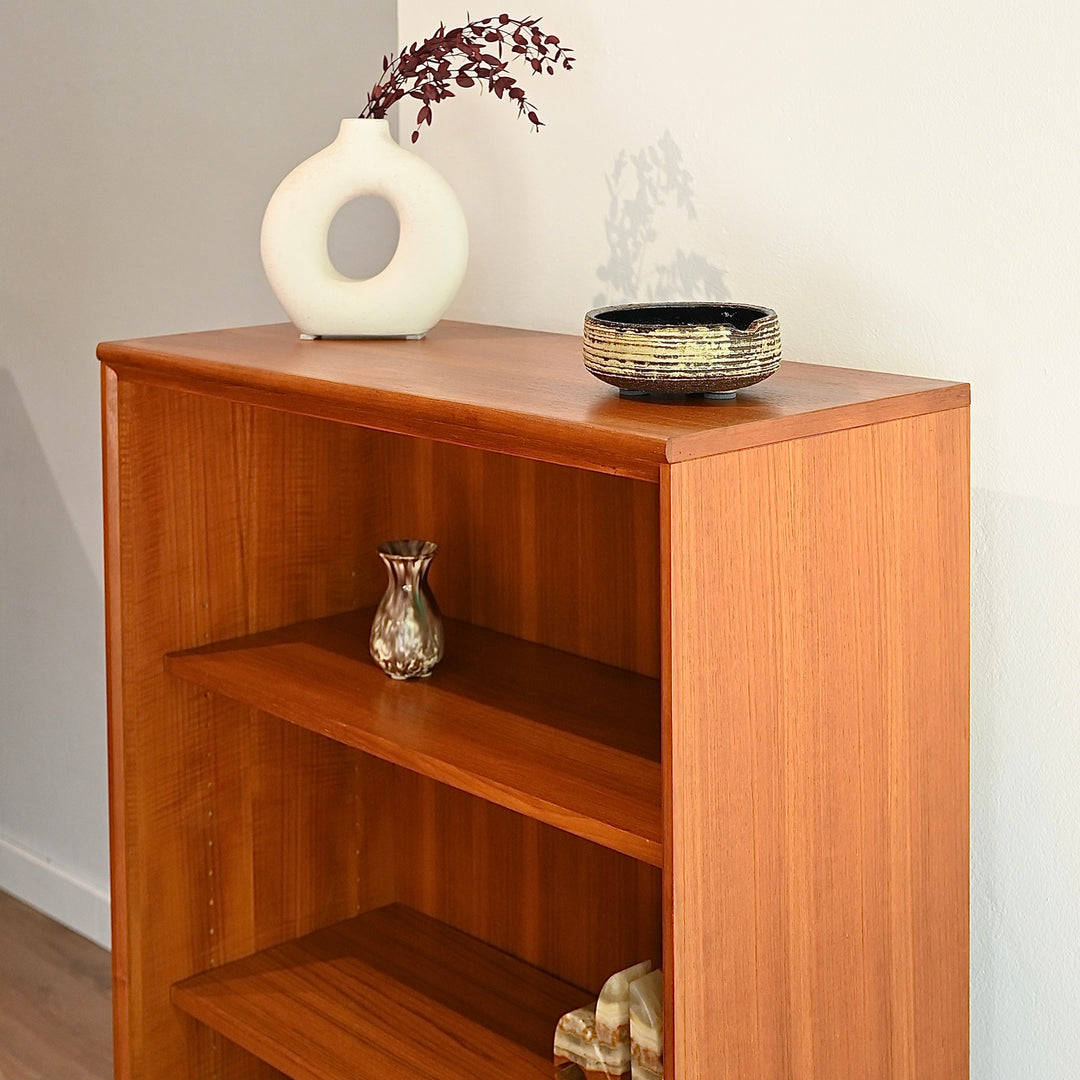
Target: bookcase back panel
(555, 555)
(566, 905)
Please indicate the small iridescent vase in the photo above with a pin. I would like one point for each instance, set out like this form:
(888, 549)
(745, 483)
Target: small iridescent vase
(407, 634)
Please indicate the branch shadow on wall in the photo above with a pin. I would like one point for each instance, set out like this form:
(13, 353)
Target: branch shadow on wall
(650, 207)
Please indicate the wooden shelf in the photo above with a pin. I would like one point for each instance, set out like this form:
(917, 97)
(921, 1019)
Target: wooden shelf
(390, 994)
(561, 739)
(516, 391)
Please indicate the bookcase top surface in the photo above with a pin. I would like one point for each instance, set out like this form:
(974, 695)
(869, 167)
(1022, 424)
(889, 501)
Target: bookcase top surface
(520, 392)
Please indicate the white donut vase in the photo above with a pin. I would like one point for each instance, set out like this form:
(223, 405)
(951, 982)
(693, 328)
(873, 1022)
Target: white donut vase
(411, 294)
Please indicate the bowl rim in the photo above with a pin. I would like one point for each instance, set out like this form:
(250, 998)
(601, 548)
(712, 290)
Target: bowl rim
(603, 315)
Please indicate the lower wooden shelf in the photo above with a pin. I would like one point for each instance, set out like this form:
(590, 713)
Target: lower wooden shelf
(389, 995)
(559, 738)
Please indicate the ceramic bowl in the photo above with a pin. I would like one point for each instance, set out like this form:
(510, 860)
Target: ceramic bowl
(682, 348)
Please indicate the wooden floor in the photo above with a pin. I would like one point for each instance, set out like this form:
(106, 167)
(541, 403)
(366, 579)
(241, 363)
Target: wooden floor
(55, 1019)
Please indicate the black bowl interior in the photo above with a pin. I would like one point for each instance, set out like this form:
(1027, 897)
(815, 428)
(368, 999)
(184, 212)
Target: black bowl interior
(739, 316)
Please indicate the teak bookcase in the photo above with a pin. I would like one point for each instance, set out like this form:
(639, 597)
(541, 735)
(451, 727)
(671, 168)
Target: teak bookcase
(705, 700)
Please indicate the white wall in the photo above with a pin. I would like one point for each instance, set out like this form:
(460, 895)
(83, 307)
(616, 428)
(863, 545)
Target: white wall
(140, 142)
(900, 182)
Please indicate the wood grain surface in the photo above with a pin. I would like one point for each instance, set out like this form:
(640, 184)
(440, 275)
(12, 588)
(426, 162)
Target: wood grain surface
(515, 391)
(818, 749)
(564, 904)
(54, 1000)
(567, 741)
(391, 994)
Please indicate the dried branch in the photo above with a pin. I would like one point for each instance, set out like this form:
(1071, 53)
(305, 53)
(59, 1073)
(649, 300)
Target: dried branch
(477, 54)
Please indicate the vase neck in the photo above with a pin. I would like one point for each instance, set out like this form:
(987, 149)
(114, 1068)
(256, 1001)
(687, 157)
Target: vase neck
(357, 131)
(406, 571)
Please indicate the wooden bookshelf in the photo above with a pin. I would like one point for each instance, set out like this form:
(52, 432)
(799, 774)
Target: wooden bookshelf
(705, 701)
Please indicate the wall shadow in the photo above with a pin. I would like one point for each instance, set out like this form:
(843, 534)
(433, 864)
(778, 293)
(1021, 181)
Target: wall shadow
(650, 210)
(53, 772)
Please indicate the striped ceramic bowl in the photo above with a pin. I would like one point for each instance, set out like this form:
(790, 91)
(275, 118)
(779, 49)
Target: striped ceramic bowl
(682, 348)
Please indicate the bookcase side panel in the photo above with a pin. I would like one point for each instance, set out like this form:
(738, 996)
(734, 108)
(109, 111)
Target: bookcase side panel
(817, 674)
(230, 831)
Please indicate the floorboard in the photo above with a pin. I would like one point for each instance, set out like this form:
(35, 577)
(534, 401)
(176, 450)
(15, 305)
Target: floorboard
(55, 1013)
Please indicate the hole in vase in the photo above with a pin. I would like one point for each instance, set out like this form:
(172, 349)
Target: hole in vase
(363, 237)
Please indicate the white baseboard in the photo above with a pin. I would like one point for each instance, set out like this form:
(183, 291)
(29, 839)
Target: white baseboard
(62, 896)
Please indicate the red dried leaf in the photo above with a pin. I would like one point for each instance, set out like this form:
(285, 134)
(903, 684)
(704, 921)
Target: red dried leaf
(425, 70)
